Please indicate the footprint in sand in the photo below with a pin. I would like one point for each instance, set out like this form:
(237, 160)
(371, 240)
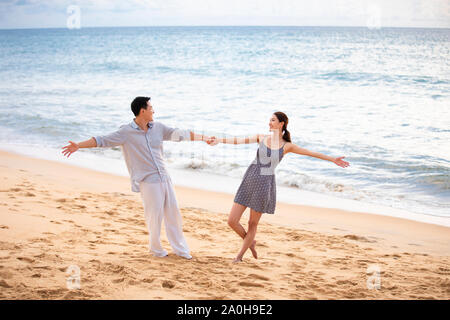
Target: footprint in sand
(51, 292)
(74, 294)
(43, 267)
(357, 238)
(339, 229)
(341, 282)
(38, 215)
(250, 284)
(259, 277)
(291, 255)
(363, 261)
(168, 284)
(442, 270)
(4, 284)
(25, 259)
(45, 240)
(94, 261)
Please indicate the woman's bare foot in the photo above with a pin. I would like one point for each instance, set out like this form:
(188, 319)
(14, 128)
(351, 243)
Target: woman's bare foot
(253, 250)
(237, 260)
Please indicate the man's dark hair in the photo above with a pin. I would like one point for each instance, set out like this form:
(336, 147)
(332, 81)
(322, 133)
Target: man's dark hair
(139, 103)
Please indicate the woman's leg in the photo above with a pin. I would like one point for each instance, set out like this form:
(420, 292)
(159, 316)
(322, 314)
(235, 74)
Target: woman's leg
(251, 233)
(233, 221)
(235, 216)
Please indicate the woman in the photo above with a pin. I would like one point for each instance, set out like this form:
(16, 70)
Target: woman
(258, 189)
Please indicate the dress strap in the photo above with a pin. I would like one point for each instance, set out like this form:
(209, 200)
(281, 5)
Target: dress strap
(261, 140)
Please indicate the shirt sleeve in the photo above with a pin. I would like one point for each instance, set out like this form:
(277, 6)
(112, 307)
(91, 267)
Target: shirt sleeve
(113, 139)
(175, 134)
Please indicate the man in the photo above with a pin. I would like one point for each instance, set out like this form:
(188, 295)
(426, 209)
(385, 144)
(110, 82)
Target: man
(142, 146)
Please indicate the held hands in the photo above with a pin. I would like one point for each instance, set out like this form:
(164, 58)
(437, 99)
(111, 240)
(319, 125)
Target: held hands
(212, 141)
(70, 148)
(340, 162)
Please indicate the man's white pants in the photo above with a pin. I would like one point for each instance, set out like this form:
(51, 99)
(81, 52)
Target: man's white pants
(160, 203)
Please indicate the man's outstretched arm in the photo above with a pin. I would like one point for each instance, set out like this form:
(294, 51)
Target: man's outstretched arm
(113, 139)
(199, 137)
(73, 146)
(176, 134)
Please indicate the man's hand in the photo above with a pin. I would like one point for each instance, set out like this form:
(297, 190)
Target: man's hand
(212, 141)
(70, 148)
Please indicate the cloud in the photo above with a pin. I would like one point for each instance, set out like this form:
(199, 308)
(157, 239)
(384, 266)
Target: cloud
(51, 13)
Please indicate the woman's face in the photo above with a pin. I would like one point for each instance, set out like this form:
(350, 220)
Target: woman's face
(274, 124)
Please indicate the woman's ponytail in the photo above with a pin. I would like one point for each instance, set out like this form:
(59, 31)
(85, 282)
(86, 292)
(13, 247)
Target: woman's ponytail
(282, 117)
(287, 135)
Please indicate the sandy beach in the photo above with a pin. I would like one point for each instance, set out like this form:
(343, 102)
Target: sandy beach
(53, 216)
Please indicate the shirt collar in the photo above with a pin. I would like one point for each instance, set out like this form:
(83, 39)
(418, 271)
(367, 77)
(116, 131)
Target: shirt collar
(134, 125)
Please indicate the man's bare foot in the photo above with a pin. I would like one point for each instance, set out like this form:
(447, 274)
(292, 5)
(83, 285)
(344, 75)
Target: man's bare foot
(253, 250)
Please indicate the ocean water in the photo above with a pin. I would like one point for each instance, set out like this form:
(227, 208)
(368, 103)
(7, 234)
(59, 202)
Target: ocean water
(379, 97)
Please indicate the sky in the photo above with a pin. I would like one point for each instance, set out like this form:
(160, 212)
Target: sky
(90, 13)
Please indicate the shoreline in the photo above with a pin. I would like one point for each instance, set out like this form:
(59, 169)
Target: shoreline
(55, 215)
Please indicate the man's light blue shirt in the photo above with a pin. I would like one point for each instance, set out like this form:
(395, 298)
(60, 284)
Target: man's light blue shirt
(143, 151)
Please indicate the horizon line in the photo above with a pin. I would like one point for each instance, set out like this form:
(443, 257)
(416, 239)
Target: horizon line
(209, 26)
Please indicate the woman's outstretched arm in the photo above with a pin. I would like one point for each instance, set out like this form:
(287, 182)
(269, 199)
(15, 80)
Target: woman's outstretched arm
(290, 147)
(236, 140)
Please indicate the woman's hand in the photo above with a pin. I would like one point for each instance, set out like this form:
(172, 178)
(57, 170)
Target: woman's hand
(340, 162)
(212, 141)
(70, 148)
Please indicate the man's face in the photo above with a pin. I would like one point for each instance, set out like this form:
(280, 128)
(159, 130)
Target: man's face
(148, 113)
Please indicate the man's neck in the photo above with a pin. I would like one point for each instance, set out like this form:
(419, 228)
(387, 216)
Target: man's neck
(142, 123)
